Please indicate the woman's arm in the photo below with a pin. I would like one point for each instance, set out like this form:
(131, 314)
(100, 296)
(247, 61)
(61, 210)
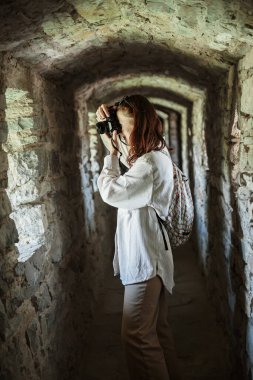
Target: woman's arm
(131, 190)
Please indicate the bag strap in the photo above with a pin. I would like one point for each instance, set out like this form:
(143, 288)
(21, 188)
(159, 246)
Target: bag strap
(123, 168)
(160, 225)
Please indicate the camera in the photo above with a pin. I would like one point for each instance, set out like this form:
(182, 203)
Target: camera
(110, 124)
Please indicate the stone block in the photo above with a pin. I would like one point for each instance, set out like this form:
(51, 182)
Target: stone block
(56, 252)
(14, 325)
(13, 304)
(5, 206)
(60, 240)
(8, 277)
(29, 224)
(3, 180)
(248, 140)
(20, 269)
(8, 235)
(19, 195)
(38, 259)
(4, 323)
(2, 101)
(43, 300)
(246, 98)
(43, 325)
(18, 104)
(50, 321)
(32, 274)
(17, 141)
(32, 337)
(25, 123)
(247, 61)
(23, 167)
(3, 161)
(246, 180)
(29, 291)
(189, 15)
(246, 157)
(249, 340)
(2, 308)
(3, 133)
(161, 6)
(247, 126)
(92, 12)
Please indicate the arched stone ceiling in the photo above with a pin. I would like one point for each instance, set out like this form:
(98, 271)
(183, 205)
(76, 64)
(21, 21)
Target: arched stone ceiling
(121, 58)
(68, 39)
(110, 89)
(144, 90)
(175, 103)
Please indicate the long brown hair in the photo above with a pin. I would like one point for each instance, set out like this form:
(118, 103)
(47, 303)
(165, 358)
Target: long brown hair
(147, 131)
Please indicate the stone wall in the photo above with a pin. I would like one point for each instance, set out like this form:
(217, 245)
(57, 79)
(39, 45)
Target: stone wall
(219, 210)
(47, 297)
(198, 168)
(229, 142)
(241, 160)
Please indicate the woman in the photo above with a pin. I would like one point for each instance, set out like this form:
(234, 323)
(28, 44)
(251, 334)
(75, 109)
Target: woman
(143, 256)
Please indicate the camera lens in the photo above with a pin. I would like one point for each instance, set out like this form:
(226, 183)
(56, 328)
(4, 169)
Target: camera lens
(101, 126)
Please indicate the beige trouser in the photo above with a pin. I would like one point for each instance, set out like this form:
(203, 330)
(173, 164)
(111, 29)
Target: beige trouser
(146, 334)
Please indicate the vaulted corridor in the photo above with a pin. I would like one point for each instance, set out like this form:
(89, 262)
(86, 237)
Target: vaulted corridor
(60, 306)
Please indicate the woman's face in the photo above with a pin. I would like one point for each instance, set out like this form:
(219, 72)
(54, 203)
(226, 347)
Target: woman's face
(127, 124)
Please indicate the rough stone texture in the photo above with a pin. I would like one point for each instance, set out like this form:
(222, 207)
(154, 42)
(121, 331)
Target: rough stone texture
(243, 183)
(62, 59)
(50, 280)
(61, 38)
(230, 212)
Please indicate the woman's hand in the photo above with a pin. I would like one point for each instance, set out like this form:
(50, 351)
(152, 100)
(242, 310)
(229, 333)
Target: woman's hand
(101, 114)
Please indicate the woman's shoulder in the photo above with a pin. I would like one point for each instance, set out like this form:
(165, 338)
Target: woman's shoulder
(164, 152)
(161, 161)
(151, 157)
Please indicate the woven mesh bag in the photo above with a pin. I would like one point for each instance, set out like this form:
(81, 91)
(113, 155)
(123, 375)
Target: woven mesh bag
(181, 214)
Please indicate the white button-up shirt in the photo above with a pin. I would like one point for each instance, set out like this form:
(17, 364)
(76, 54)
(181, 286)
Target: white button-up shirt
(139, 246)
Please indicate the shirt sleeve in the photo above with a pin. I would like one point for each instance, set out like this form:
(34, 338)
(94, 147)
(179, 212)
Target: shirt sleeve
(131, 190)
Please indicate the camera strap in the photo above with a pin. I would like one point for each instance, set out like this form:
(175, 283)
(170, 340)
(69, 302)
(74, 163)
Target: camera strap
(122, 141)
(115, 146)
